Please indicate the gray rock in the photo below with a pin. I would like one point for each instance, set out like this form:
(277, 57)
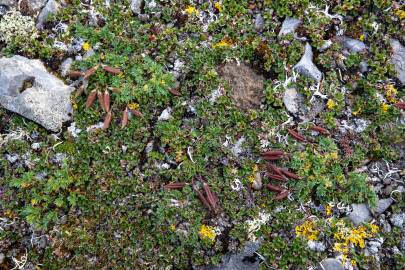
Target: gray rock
(3, 10)
(289, 26)
(398, 220)
(36, 5)
(28, 89)
(259, 22)
(398, 59)
(306, 67)
(36, 146)
(316, 246)
(292, 100)
(373, 247)
(402, 244)
(237, 261)
(65, 66)
(363, 66)
(257, 182)
(330, 264)
(382, 205)
(361, 213)
(166, 114)
(9, 3)
(51, 7)
(353, 45)
(136, 6)
(2, 258)
(12, 158)
(325, 45)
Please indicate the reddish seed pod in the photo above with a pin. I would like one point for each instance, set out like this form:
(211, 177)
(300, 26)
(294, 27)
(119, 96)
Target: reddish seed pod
(276, 177)
(177, 185)
(290, 174)
(400, 105)
(107, 100)
(273, 153)
(91, 98)
(202, 199)
(274, 188)
(296, 135)
(107, 120)
(210, 197)
(136, 113)
(75, 74)
(90, 72)
(271, 158)
(320, 130)
(124, 121)
(282, 195)
(100, 97)
(112, 70)
(275, 169)
(175, 92)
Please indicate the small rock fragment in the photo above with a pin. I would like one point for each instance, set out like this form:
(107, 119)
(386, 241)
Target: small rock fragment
(166, 114)
(316, 246)
(292, 100)
(361, 213)
(398, 220)
(50, 8)
(306, 67)
(383, 205)
(65, 66)
(330, 264)
(289, 26)
(257, 182)
(353, 45)
(259, 22)
(398, 59)
(136, 6)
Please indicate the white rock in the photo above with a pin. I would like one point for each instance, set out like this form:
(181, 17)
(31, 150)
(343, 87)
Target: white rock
(166, 114)
(398, 59)
(289, 26)
(36, 146)
(361, 213)
(46, 101)
(316, 246)
(136, 6)
(237, 148)
(51, 7)
(398, 220)
(306, 67)
(326, 45)
(330, 264)
(292, 100)
(353, 45)
(65, 66)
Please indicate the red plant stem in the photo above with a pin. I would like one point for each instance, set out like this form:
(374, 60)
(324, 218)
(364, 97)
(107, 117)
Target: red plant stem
(296, 135)
(276, 177)
(275, 169)
(202, 199)
(177, 185)
(290, 174)
(107, 120)
(101, 99)
(91, 98)
(90, 72)
(282, 195)
(320, 130)
(274, 188)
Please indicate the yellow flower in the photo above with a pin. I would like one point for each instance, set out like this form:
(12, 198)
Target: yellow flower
(218, 6)
(390, 92)
(357, 112)
(173, 227)
(385, 107)
(400, 13)
(328, 210)
(133, 106)
(330, 104)
(361, 37)
(226, 42)
(191, 10)
(207, 232)
(341, 248)
(354, 263)
(374, 228)
(255, 168)
(307, 230)
(86, 46)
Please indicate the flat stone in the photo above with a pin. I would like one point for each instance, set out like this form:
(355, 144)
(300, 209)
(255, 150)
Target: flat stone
(361, 213)
(398, 59)
(28, 89)
(259, 22)
(382, 205)
(398, 220)
(50, 8)
(292, 100)
(136, 6)
(306, 67)
(330, 264)
(289, 26)
(353, 45)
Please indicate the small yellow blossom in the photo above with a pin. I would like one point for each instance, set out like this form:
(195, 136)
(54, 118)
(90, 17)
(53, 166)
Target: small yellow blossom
(361, 37)
(356, 112)
(390, 92)
(354, 263)
(191, 10)
(173, 227)
(307, 230)
(133, 106)
(374, 228)
(218, 6)
(384, 107)
(207, 232)
(86, 46)
(328, 210)
(226, 42)
(330, 104)
(400, 13)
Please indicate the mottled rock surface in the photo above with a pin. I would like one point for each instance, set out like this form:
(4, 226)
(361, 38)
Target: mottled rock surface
(28, 89)
(398, 59)
(361, 213)
(306, 67)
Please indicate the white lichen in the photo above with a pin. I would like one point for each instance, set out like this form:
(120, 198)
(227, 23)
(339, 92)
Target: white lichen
(14, 25)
